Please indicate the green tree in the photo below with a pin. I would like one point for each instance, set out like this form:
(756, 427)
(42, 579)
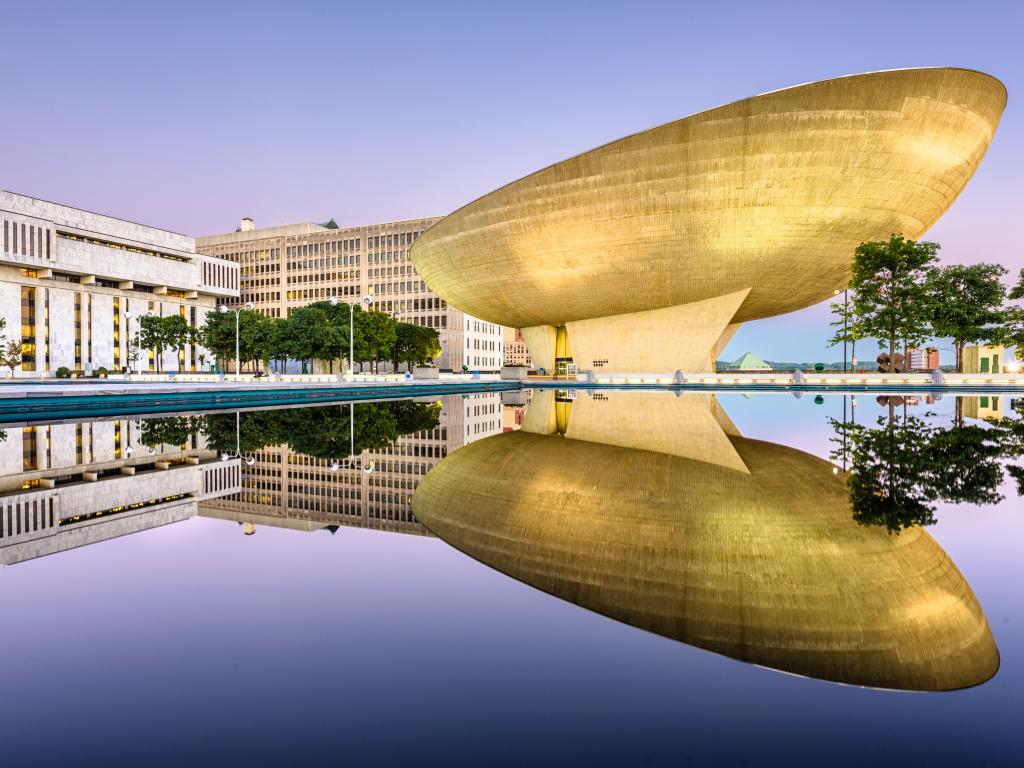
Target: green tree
(1013, 319)
(901, 468)
(323, 432)
(304, 324)
(890, 298)
(10, 355)
(965, 304)
(849, 328)
(331, 340)
(176, 332)
(151, 336)
(414, 345)
(218, 334)
(171, 430)
(378, 337)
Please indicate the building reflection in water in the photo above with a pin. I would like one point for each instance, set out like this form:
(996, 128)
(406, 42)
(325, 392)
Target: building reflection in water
(652, 509)
(288, 488)
(67, 485)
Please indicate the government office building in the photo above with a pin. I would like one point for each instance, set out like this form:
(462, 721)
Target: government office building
(283, 488)
(73, 283)
(297, 264)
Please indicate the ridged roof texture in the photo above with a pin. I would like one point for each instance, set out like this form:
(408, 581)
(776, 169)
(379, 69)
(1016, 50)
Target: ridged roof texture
(764, 565)
(771, 193)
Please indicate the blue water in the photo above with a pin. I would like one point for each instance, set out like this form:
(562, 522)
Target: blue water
(195, 644)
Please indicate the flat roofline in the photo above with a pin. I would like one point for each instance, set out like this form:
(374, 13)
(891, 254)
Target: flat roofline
(97, 213)
(286, 230)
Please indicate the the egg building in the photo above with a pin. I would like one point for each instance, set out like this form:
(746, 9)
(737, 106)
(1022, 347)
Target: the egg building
(646, 254)
(655, 511)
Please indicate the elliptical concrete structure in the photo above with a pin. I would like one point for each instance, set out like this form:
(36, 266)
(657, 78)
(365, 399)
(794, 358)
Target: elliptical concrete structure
(647, 254)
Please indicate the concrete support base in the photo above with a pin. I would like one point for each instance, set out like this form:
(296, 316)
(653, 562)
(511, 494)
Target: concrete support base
(687, 338)
(540, 341)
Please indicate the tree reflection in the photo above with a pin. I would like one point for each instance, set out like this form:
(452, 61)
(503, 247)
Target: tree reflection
(325, 432)
(903, 466)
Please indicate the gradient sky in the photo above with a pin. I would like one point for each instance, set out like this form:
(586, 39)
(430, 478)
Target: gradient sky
(189, 116)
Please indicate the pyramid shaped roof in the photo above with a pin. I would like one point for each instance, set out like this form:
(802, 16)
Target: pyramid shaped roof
(748, 361)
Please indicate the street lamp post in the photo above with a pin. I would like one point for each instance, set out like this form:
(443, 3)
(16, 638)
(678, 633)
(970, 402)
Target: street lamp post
(223, 309)
(249, 459)
(367, 300)
(352, 461)
(846, 317)
(138, 336)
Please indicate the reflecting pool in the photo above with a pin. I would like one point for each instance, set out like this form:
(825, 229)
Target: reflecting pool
(536, 577)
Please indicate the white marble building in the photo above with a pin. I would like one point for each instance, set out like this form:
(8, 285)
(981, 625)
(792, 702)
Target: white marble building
(69, 485)
(69, 279)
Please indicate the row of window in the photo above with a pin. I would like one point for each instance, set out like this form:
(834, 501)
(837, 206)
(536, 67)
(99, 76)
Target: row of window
(33, 241)
(220, 275)
(121, 246)
(26, 517)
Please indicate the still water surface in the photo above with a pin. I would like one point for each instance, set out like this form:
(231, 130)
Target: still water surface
(520, 578)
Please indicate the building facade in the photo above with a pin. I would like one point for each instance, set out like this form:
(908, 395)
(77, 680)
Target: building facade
(516, 352)
(923, 359)
(298, 264)
(73, 285)
(69, 485)
(287, 489)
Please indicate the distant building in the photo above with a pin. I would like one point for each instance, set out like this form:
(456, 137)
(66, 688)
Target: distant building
(298, 264)
(749, 362)
(983, 359)
(287, 489)
(923, 359)
(516, 352)
(984, 407)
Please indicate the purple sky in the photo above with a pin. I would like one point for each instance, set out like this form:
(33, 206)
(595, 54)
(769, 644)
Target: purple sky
(191, 115)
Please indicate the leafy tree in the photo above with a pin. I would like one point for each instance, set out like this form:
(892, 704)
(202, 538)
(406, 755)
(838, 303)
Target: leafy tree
(378, 336)
(171, 430)
(304, 326)
(218, 334)
(890, 299)
(1013, 319)
(176, 332)
(965, 304)
(901, 468)
(323, 432)
(10, 355)
(849, 328)
(414, 345)
(151, 336)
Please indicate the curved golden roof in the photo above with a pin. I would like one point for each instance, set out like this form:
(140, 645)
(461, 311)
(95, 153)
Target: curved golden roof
(771, 193)
(762, 563)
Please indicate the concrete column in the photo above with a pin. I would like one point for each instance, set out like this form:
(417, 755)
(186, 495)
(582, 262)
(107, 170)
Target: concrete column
(540, 341)
(657, 341)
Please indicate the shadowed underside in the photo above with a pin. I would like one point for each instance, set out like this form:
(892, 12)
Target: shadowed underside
(755, 557)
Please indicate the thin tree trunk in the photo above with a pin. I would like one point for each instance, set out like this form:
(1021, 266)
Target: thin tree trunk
(892, 353)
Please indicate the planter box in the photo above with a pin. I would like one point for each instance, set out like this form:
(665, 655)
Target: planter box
(514, 373)
(426, 373)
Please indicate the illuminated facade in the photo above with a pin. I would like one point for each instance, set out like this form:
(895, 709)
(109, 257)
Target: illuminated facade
(298, 264)
(655, 511)
(69, 279)
(646, 254)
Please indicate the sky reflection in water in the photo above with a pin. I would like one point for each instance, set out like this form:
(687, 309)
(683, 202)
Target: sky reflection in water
(716, 522)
